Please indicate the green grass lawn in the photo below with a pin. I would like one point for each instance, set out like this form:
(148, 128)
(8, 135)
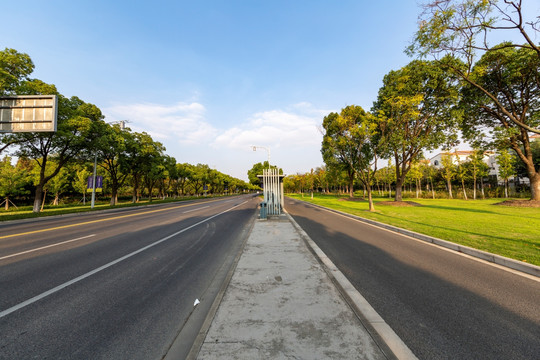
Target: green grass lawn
(509, 231)
(25, 212)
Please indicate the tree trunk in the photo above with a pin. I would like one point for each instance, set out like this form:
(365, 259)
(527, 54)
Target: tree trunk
(351, 186)
(474, 187)
(56, 199)
(7, 203)
(38, 198)
(432, 189)
(535, 186)
(506, 188)
(464, 191)
(43, 202)
(135, 197)
(482, 187)
(399, 187)
(370, 199)
(449, 184)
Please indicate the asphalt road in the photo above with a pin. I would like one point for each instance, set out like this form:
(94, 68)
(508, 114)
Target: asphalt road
(115, 285)
(443, 305)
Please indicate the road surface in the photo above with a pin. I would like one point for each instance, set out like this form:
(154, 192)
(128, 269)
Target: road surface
(443, 305)
(115, 285)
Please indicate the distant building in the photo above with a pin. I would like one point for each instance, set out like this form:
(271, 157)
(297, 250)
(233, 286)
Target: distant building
(461, 156)
(490, 158)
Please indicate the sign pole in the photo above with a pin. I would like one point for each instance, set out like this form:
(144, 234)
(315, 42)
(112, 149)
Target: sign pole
(94, 184)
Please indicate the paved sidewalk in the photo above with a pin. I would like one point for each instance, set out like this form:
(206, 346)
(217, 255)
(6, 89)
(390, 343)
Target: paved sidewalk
(281, 304)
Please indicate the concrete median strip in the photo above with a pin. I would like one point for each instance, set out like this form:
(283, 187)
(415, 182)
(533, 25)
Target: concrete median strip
(283, 302)
(361, 306)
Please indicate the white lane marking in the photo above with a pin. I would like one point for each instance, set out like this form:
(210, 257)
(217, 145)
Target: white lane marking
(45, 247)
(188, 211)
(90, 273)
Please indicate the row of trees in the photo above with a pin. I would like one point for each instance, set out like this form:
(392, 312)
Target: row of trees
(494, 100)
(163, 179)
(126, 158)
(423, 179)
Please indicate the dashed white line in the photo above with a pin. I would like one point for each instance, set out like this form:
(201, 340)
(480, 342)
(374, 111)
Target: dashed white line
(45, 247)
(90, 273)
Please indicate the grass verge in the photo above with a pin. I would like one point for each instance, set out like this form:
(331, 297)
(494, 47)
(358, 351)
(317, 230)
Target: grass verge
(25, 212)
(509, 231)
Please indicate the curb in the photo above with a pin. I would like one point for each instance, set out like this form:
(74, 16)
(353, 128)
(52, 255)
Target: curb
(201, 337)
(484, 255)
(388, 341)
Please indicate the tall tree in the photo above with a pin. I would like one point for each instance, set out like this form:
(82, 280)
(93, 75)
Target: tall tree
(339, 149)
(504, 85)
(478, 169)
(417, 104)
(257, 169)
(448, 172)
(15, 68)
(506, 167)
(513, 76)
(112, 150)
(366, 135)
(13, 180)
(75, 133)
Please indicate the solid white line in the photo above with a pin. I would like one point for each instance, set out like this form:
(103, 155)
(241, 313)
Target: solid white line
(90, 273)
(389, 336)
(188, 211)
(45, 247)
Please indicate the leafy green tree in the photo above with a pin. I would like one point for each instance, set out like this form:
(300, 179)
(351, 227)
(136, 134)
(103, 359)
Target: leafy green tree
(365, 134)
(417, 105)
(80, 180)
(184, 174)
(513, 77)
(76, 131)
(112, 149)
(58, 184)
(506, 167)
(15, 67)
(257, 169)
(501, 91)
(13, 180)
(462, 174)
(464, 28)
(417, 175)
(478, 169)
(339, 149)
(429, 172)
(141, 152)
(448, 172)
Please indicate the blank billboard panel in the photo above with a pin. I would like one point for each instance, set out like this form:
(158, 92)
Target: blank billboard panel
(28, 113)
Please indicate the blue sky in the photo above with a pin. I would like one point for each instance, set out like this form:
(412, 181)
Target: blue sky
(209, 79)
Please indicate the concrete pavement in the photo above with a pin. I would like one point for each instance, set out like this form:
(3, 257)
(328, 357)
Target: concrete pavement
(281, 303)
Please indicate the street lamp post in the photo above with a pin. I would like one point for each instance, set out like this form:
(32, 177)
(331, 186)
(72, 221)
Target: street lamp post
(267, 150)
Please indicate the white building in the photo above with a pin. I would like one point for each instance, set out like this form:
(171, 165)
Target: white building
(461, 156)
(490, 158)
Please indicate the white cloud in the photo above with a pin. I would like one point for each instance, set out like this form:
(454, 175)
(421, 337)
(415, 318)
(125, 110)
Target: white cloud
(297, 127)
(180, 122)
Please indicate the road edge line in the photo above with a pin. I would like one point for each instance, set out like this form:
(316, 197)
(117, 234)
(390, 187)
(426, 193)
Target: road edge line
(361, 307)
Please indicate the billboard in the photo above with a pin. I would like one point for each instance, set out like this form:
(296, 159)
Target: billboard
(28, 113)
